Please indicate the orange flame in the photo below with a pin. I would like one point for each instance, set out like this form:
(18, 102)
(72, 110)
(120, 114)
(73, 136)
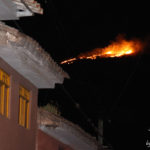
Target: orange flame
(118, 48)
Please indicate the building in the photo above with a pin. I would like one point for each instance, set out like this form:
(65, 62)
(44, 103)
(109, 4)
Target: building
(14, 9)
(57, 133)
(24, 68)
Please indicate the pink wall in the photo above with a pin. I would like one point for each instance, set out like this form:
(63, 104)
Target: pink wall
(46, 142)
(12, 135)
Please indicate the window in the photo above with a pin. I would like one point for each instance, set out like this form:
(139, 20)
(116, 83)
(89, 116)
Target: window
(4, 93)
(24, 98)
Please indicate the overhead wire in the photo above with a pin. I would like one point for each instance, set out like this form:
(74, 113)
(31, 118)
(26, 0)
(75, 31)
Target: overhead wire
(69, 95)
(85, 116)
(124, 88)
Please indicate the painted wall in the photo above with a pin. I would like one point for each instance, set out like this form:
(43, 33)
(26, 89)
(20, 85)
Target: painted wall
(12, 135)
(46, 142)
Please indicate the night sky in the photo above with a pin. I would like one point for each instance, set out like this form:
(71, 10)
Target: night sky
(113, 89)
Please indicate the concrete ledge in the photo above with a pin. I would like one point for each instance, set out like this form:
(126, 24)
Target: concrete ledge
(27, 57)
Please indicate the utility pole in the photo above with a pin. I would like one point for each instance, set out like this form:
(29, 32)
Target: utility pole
(100, 134)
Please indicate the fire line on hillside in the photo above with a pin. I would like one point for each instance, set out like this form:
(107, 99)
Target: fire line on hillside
(119, 47)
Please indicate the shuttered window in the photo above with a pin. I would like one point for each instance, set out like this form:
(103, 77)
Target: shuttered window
(4, 93)
(24, 99)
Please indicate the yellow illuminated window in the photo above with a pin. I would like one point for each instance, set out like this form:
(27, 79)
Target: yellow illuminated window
(24, 97)
(4, 93)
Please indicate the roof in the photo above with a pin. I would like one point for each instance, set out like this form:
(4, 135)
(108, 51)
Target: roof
(27, 7)
(14, 9)
(7, 10)
(28, 58)
(65, 131)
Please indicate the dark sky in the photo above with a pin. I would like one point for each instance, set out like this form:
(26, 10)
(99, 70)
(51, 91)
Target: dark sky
(114, 89)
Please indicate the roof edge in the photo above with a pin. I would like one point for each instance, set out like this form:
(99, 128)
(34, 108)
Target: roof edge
(49, 120)
(11, 36)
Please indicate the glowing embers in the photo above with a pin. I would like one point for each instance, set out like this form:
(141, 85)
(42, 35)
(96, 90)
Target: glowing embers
(119, 47)
(69, 61)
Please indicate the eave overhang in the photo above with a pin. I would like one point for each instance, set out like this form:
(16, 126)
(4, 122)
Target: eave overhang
(14, 9)
(27, 57)
(7, 10)
(65, 131)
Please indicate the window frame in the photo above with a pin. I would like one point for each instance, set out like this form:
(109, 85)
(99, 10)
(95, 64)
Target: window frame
(4, 93)
(24, 107)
